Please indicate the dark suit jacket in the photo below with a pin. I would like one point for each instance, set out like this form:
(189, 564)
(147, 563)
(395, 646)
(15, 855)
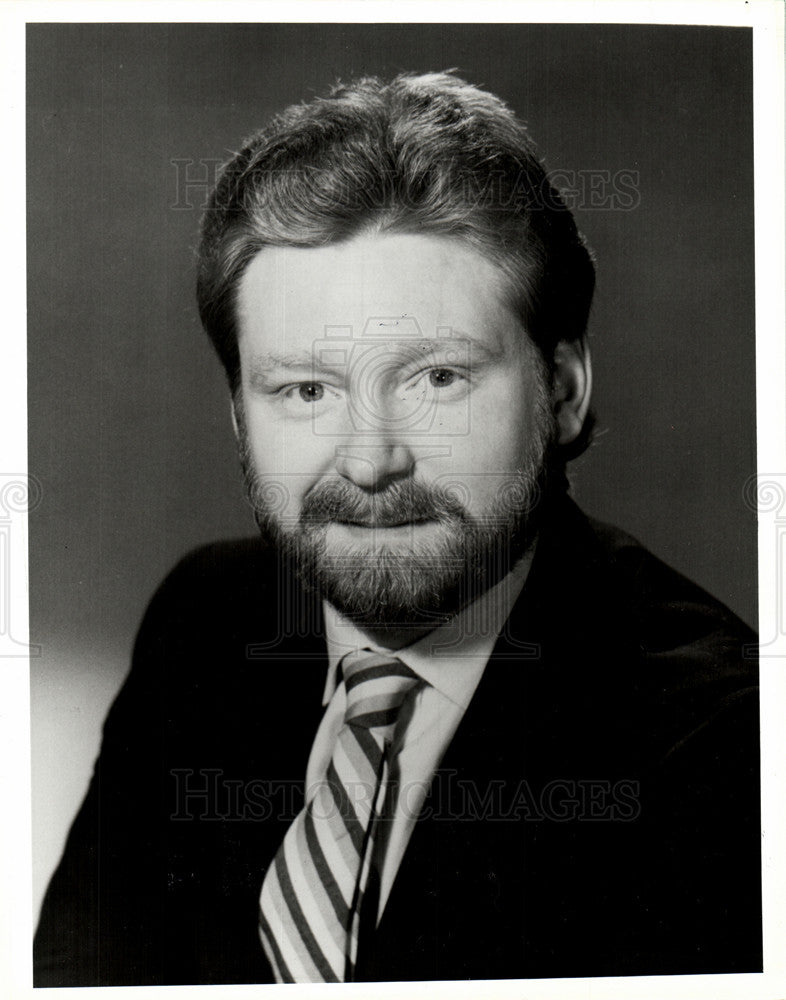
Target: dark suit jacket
(597, 812)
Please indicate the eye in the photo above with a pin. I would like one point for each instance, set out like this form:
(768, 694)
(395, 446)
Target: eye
(440, 378)
(443, 384)
(320, 396)
(311, 392)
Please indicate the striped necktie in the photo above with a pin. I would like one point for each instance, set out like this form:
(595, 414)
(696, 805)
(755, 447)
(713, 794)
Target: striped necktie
(311, 895)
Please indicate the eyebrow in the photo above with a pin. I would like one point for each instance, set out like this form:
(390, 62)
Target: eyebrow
(262, 366)
(264, 362)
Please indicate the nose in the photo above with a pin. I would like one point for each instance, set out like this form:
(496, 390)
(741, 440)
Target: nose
(374, 465)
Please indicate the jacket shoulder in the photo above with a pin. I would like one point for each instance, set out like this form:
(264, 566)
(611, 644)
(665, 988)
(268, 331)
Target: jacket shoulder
(668, 609)
(236, 560)
(215, 577)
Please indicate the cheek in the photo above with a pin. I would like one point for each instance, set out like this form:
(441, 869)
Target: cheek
(504, 426)
(279, 446)
(504, 440)
(266, 447)
(288, 460)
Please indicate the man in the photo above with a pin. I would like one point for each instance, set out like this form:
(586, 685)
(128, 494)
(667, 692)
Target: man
(436, 724)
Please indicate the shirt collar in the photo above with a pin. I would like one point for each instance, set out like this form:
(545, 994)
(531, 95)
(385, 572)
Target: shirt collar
(451, 657)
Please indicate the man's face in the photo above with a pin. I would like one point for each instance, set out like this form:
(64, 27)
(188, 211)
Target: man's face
(394, 420)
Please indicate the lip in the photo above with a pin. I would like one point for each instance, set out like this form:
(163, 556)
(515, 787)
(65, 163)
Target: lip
(384, 524)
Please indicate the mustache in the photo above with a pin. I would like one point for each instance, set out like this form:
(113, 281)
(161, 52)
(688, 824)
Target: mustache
(399, 503)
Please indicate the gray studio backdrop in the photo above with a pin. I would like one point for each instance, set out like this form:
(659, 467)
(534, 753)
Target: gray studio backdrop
(649, 133)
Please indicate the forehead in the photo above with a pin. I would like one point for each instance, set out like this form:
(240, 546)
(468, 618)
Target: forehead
(290, 295)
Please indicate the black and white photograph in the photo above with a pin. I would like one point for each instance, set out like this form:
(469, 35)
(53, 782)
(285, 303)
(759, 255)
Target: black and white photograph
(398, 501)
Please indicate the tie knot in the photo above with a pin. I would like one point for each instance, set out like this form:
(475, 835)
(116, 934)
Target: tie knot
(376, 687)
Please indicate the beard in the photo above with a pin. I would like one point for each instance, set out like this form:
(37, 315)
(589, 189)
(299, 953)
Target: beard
(448, 556)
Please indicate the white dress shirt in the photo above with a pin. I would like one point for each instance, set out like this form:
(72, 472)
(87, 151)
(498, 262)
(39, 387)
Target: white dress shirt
(451, 659)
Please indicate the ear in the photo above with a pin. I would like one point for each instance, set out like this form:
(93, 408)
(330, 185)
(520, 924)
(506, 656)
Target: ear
(572, 388)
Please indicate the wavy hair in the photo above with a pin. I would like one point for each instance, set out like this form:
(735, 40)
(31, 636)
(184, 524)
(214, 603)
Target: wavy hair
(418, 154)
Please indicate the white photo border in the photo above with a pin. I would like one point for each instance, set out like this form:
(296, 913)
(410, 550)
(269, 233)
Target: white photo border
(766, 18)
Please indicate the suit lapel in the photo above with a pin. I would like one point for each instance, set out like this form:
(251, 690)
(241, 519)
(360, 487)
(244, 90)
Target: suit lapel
(482, 880)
